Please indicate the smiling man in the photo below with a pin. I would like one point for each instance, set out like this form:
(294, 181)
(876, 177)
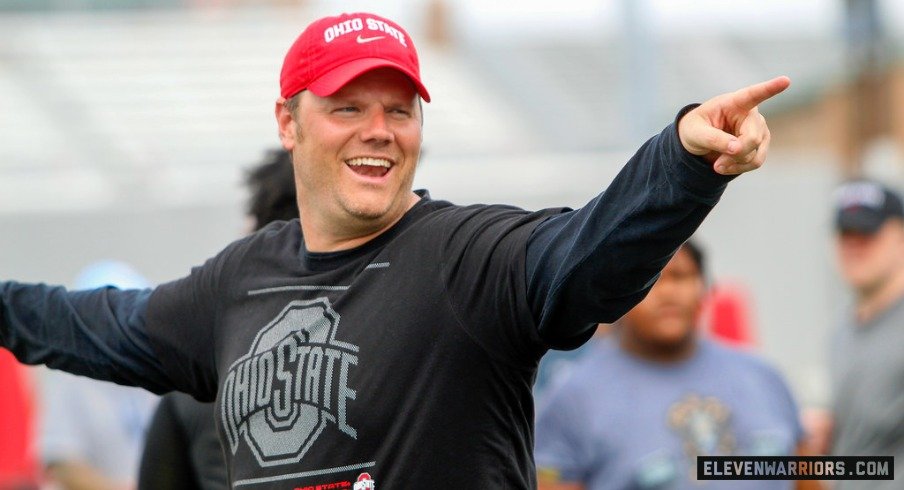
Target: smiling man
(386, 339)
(355, 153)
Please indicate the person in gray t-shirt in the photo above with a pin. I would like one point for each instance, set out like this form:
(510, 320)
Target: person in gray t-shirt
(867, 363)
(645, 401)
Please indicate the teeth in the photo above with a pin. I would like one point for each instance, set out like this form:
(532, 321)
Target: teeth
(370, 162)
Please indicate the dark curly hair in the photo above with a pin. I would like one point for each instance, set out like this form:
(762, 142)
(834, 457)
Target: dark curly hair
(272, 187)
(697, 255)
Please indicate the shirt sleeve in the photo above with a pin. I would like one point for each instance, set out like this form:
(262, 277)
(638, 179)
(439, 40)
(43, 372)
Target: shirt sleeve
(592, 264)
(98, 333)
(482, 254)
(182, 318)
(564, 447)
(786, 405)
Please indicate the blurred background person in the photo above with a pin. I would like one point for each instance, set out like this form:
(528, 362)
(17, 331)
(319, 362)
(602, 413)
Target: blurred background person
(556, 364)
(650, 397)
(867, 365)
(92, 432)
(271, 191)
(183, 450)
(18, 458)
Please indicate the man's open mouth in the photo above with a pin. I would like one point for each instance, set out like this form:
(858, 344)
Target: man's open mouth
(369, 167)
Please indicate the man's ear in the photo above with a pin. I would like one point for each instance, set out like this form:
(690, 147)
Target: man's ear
(286, 123)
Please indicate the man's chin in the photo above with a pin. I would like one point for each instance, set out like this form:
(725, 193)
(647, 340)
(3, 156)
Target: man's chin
(375, 207)
(369, 211)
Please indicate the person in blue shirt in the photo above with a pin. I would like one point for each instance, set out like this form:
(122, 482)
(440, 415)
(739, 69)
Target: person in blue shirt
(651, 396)
(91, 433)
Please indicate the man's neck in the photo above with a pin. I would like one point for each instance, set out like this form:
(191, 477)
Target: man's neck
(336, 243)
(873, 303)
(322, 237)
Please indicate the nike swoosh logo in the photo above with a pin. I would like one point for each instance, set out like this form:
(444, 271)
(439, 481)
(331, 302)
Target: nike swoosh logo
(362, 40)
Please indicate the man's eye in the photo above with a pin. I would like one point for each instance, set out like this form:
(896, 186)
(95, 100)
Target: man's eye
(347, 109)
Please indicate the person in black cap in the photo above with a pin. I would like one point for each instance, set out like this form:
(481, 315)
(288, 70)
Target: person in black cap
(867, 368)
(864, 207)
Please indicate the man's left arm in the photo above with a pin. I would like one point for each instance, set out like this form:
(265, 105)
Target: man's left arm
(593, 264)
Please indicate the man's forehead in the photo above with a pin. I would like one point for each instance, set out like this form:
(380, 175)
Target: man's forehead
(380, 81)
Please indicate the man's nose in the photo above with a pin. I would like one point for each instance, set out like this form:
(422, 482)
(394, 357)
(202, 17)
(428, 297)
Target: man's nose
(376, 128)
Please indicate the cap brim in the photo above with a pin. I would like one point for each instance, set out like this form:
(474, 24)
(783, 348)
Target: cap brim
(859, 220)
(338, 77)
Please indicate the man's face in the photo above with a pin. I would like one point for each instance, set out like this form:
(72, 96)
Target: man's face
(867, 261)
(667, 316)
(355, 152)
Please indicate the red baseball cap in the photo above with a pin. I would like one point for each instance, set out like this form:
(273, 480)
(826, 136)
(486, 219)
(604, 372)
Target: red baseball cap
(334, 50)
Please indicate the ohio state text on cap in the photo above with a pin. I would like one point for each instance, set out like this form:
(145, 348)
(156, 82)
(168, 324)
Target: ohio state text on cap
(334, 50)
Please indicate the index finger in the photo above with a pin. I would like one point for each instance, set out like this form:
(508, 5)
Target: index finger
(749, 97)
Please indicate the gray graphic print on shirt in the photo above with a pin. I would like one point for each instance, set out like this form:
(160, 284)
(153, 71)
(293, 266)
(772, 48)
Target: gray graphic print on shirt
(281, 395)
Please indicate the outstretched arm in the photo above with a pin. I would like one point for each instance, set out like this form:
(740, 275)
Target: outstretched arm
(99, 333)
(593, 264)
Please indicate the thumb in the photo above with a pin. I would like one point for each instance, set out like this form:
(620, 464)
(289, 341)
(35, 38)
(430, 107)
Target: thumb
(701, 138)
